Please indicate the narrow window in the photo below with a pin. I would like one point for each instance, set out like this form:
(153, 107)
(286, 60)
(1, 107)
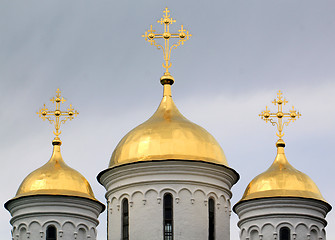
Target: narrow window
(211, 219)
(51, 233)
(168, 217)
(284, 233)
(125, 220)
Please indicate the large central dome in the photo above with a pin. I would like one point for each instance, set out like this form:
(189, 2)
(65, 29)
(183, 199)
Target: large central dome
(167, 135)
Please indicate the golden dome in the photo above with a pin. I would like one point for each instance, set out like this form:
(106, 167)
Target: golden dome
(55, 178)
(282, 180)
(167, 135)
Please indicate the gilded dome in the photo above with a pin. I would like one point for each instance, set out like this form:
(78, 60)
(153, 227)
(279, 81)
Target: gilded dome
(167, 135)
(282, 180)
(55, 178)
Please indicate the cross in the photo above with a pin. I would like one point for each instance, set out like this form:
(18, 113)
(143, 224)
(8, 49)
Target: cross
(151, 37)
(54, 117)
(280, 116)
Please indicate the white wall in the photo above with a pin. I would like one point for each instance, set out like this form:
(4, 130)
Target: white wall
(304, 217)
(74, 217)
(191, 184)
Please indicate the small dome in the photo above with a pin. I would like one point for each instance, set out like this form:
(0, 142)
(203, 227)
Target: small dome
(55, 178)
(167, 135)
(282, 180)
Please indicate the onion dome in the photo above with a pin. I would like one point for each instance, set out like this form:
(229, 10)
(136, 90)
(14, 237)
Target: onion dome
(282, 180)
(167, 135)
(55, 178)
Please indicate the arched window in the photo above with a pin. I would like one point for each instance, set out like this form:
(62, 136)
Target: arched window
(211, 219)
(168, 216)
(125, 219)
(284, 233)
(51, 233)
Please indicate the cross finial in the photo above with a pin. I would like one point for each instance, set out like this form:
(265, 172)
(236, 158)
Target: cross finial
(278, 118)
(151, 37)
(54, 116)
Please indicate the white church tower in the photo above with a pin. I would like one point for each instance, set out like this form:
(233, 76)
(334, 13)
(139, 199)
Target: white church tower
(282, 203)
(168, 178)
(55, 201)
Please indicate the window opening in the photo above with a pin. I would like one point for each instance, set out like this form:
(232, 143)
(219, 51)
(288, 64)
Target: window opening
(125, 220)
(168, 216)
(211, 219)
(284, 233)
(51, 233)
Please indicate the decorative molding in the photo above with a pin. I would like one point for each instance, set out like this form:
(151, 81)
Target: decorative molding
(276, 203)
(53, 207)
(54, 200)
(284, 221)
(281, 215)
(176, 167)
(40, 226)
(315, 228)
(275, 235)
(174, 191)
(126, 177)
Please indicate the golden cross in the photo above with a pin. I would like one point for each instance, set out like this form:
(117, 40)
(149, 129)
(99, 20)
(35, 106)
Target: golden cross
(54, 116)
(270, 117)
(151, 37)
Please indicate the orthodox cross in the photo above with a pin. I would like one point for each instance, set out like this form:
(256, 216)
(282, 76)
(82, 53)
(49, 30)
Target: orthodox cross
(151, 37)
(278, 118)
(54, 117)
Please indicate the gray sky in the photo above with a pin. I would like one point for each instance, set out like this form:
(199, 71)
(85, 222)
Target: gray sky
(241, 53)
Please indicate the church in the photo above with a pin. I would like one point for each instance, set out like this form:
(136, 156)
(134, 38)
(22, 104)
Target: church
(169, 179)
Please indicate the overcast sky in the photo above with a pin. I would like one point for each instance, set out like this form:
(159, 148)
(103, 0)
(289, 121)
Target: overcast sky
(241, 53)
